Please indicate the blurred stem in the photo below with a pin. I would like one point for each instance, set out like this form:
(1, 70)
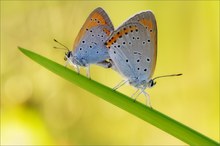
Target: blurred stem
(149, 115)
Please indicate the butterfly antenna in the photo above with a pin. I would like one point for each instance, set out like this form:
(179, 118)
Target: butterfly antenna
(59, 48)
(65, 47)
(167, 76)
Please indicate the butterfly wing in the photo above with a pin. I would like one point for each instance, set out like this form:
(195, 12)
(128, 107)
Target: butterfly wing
(97, 18)
(89, 45)
(147, 19)
(132, 50)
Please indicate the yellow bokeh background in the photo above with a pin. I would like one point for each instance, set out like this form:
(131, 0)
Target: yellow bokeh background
(38, 107)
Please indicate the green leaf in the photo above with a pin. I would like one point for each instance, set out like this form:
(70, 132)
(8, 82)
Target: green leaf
(124, 102)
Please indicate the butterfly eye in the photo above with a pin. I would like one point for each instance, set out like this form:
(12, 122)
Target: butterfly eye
(65, 58)
(152, 83)
(68, 54)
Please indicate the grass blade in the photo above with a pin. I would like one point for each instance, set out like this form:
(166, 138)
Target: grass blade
(124, 102)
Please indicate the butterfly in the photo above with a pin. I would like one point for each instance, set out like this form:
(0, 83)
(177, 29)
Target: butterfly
(89, 45)
(133, 51)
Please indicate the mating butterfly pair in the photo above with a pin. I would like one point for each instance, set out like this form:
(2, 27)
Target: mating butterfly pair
(131, 49)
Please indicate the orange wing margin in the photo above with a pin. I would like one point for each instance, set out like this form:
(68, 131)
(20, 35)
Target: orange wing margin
(96, 18)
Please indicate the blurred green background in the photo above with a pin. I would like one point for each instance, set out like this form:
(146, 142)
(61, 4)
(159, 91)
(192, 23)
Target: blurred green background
(38, 107)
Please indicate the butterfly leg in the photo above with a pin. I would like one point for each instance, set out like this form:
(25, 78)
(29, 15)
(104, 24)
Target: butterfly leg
(120, 84)
(148, 103)
(74, 65)
(137, 94)
(77, 69)
(66, 63)
(132, 96)
(88, 71)
(148, 98)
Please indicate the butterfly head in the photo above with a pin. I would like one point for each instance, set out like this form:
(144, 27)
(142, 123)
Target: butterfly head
(151, 83)
(69, 58)
(68, 55)
(74, 60)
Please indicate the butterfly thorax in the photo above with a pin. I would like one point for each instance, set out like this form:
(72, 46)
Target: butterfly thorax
(138, 82)
(141, 83)
(74, 60)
